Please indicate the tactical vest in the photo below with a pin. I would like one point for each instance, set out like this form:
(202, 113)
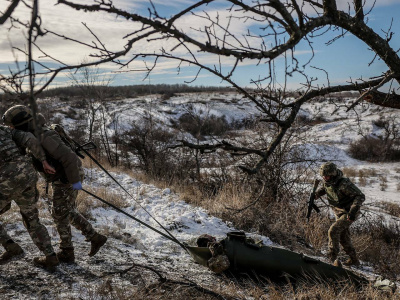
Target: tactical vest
(8, 149)
(57, 165)
(336, 197)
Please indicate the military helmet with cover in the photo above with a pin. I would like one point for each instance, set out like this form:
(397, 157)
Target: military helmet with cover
(17, 115)
(328, 169)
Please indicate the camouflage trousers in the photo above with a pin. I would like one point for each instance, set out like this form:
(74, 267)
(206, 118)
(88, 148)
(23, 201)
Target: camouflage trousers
(18, 183)
(339, 233)
(65, 214)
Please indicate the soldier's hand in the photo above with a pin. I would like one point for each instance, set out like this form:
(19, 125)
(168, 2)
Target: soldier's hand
(77, 185)
(47, 168)
(349, 219)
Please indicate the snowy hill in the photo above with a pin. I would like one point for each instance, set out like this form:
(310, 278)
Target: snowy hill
(130, 242)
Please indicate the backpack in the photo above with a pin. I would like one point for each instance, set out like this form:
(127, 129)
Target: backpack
(64, 136)
(68, 140)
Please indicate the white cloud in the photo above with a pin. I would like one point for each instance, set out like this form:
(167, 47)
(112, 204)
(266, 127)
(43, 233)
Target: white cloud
(111, 31)
(68, 22)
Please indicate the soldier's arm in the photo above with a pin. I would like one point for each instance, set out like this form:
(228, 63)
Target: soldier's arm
(53, 144)
(28, 140)
(352, 191)
(320, 192)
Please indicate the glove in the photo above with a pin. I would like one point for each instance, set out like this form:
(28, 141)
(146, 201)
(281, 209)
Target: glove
(77, 186)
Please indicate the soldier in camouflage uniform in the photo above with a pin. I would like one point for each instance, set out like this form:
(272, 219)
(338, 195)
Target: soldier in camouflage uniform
(18, 182)
(345, 199)
(65, 183)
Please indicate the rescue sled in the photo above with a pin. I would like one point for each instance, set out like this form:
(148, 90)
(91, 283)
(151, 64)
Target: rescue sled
(273, 262)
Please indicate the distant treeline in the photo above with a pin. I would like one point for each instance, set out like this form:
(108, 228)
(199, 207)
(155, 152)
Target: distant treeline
(132, 91)
(128, 91)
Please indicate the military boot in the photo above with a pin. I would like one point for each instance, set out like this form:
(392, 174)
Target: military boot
(97, 241)
(331, 256)
(47, 262)
(352, 261)
(12, 250)
(337, 263)
(66, 256)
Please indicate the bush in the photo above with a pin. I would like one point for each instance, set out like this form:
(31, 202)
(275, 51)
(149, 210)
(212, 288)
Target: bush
(167, 95)
(391, 208)
(311, 121)
(381, 241)
(148, 147)
(374, 149)
(349, 172)
(202, 126)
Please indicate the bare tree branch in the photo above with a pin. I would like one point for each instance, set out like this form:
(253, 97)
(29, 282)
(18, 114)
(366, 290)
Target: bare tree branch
(9, 11)
(391, 100)
(282, 26)
(359, 9)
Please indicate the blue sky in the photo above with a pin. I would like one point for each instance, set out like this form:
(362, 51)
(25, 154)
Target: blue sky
(344, 59)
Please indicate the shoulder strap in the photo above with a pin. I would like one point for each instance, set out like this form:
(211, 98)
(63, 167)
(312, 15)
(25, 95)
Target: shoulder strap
(63, 135)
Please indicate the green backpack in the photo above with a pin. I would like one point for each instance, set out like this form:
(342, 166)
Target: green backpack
(64, 136)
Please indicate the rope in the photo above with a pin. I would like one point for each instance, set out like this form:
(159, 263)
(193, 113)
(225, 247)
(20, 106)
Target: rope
(173, 238)
(136, 219)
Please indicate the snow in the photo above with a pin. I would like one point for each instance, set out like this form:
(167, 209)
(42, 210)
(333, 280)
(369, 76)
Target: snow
(128, 241)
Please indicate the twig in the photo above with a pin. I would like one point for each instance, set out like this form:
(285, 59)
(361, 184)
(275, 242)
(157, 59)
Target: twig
(161, 278)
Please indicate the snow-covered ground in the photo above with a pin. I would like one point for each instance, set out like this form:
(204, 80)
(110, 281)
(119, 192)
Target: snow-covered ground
(130, 242)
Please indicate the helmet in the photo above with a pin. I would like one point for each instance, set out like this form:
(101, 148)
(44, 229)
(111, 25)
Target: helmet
(17, 115)
(328, 169)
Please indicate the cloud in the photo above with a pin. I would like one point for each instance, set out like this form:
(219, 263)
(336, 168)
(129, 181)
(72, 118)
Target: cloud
(111, 31)
(174, 3)
(67, 22)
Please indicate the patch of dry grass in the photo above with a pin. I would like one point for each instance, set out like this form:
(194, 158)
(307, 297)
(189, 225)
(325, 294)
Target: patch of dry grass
(366, 173)
(284, 222)
(383, 182)
(230, 288)
(85, 203)
(390, 208)
(350, 172)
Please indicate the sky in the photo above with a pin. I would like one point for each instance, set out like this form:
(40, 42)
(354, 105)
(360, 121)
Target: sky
(346, 58)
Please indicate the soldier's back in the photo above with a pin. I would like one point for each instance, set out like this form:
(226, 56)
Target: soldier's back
(16, 170)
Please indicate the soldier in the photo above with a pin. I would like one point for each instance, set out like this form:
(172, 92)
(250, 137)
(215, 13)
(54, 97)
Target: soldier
(18, 182)
(65, 183)
(345, 199)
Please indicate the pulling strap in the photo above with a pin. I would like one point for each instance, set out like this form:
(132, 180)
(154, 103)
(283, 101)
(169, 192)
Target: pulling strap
(136, 219)
(171, 237)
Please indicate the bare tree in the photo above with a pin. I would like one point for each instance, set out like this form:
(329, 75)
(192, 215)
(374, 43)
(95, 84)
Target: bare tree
(278, 27)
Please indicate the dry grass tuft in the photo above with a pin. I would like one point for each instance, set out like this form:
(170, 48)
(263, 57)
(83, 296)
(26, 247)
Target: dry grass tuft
(390, 208)
(350, 172)
(231, 288)
(85, 203)
(383, 182)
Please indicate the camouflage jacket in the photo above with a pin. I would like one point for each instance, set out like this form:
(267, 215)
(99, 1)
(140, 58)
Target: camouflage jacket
(16, 170)
(67, 164)
(13, 142)
(343, 195)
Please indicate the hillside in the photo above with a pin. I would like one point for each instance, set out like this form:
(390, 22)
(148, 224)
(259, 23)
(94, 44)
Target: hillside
(325, 132)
